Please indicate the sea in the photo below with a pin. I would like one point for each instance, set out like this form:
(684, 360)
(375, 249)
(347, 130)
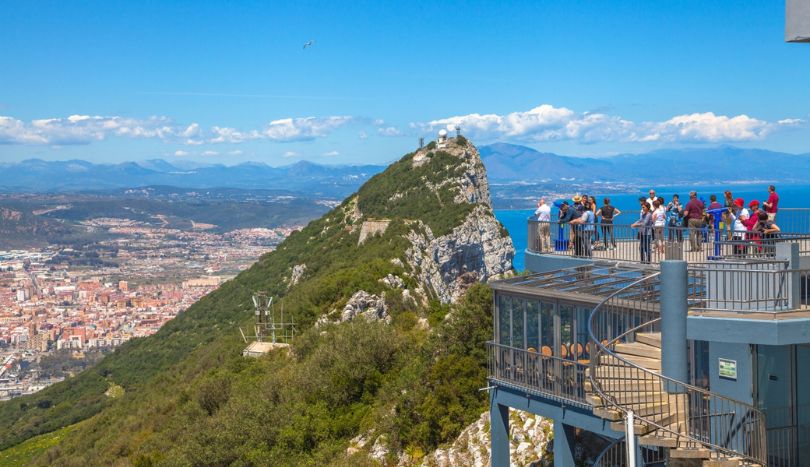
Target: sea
(790, 196)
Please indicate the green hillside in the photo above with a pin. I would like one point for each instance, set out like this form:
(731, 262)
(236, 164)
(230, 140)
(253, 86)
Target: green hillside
(189, 397)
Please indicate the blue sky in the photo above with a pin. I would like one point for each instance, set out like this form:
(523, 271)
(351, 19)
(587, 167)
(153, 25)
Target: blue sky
(230, 81)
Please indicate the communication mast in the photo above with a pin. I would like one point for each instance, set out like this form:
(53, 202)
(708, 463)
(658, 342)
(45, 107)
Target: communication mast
(268, 327)
(421, 142)
(458, 130)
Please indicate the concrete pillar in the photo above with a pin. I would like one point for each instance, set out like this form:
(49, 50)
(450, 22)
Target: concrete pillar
(790, 252)
(498, 432)
(674, 309)
(563, 446)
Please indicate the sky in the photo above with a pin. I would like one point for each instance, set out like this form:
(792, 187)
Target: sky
(229, 82)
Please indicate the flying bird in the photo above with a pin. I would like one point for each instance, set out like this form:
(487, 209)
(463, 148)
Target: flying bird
(309, 43)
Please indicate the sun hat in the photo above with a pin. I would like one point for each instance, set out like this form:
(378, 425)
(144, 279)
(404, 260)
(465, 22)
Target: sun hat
(577, 198)
(753, 203)
(739, 202)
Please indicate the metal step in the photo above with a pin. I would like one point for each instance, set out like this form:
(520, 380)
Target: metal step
(649, 338)
(652, 364)
(638, 349)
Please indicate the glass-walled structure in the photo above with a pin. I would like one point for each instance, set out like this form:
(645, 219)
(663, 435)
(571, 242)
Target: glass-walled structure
(552, 327)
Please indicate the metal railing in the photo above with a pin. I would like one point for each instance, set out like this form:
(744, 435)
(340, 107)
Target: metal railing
(764, 287)
(615, 455)
(550, 376)
(622, 242)
(782, 447)
(669, 407)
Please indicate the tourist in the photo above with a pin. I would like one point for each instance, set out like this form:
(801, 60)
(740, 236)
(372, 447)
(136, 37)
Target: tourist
(659, 217)
(674, 219)
(693, 213)
(728, 201)
(768, 231)
(772, 205)
(739, 230)
(753, 217)
(543, 214)
(608, 212)
(595, 230)
(584, 228)
(644, 226)
(567, 214)
(651, 198)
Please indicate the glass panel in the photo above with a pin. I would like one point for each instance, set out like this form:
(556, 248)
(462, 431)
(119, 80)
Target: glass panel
(533, 325)
(518, 323)
(547, 327)
(581, 345)
(504, 318)
(566, 330)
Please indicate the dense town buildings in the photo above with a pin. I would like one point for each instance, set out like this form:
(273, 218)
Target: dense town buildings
(90, 298)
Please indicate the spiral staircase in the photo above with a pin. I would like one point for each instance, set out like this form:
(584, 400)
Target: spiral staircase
(690, 425)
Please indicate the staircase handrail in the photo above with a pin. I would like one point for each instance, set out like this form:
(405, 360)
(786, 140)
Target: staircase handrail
(754, 451)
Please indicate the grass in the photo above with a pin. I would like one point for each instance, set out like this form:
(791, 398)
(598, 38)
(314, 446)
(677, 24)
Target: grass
(24, 453)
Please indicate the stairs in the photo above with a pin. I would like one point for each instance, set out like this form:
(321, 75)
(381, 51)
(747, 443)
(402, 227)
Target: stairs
(661, 418)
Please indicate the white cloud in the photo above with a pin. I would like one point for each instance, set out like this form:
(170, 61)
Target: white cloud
(331, 154)
(180, 153)
(235, 152)
(389, 131)
(289, 154)
(85, 129)
(209, 153)
(362, 135)
(549, 123)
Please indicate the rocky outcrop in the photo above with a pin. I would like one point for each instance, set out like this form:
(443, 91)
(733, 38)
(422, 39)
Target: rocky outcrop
(529, 437)
(365, 305)
(297, 274)
(475, 251)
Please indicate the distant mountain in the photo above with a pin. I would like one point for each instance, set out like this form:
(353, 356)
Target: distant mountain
(510, 163)
(35, 175)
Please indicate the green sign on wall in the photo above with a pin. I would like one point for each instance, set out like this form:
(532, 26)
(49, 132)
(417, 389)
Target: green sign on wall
(728, 369)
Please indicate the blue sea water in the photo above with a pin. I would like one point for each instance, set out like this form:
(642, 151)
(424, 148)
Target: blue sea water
(790, 196)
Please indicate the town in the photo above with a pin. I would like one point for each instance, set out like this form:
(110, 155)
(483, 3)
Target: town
(62, 307)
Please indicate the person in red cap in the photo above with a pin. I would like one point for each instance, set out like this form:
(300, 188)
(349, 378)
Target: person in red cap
(752, 217)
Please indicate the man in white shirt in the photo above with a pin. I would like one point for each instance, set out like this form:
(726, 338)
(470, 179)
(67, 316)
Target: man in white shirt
(651, 198)
(543, 213)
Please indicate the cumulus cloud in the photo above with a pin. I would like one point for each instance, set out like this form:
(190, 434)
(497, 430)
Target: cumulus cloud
(549, 123)
(331, 153)
(289, 154)
(180, 153)
(85, 129)
(209, 153)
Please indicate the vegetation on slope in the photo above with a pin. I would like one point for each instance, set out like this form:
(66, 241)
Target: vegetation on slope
(187, 396)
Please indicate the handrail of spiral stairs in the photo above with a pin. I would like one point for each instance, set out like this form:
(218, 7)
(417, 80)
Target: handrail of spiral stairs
(689, 414)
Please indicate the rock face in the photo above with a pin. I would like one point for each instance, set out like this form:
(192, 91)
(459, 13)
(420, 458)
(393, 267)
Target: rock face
(477, 250)
(298, 272)
(529, 436)
(365, 305)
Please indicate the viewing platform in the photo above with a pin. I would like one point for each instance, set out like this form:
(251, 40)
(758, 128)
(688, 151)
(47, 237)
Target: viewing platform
(550, 243)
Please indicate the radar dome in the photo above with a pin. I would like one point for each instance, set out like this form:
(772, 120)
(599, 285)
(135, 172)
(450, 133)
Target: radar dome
(442, 132)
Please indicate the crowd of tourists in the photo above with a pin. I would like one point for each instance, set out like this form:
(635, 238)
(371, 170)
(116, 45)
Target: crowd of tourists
(662, 221)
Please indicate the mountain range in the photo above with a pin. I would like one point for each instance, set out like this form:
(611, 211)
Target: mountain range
(36, 175)
(505, 163)
(510, 163)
